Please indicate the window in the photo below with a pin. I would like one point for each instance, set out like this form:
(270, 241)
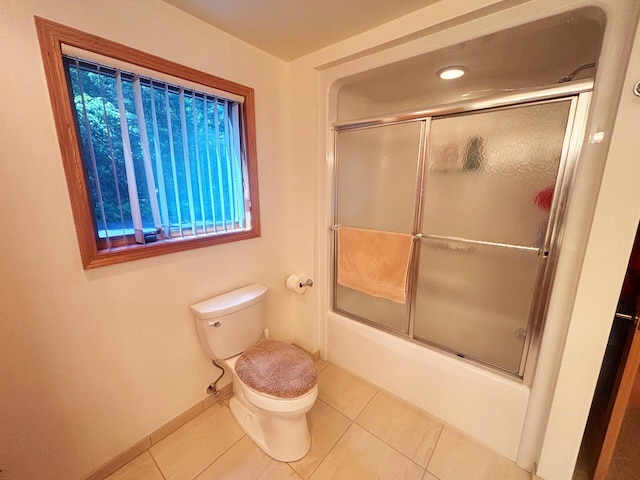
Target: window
(159, 157)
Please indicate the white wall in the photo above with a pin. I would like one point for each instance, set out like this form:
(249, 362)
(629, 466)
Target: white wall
(93, 361)
(610, 241)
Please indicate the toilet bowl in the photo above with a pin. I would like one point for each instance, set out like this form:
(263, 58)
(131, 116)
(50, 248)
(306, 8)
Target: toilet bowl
(277, 425)
(274, 383)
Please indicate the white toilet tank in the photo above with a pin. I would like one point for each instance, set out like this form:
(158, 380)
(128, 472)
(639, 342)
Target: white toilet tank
(231, 322)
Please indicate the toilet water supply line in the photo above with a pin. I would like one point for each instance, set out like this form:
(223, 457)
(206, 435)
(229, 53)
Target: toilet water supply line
(212, 388)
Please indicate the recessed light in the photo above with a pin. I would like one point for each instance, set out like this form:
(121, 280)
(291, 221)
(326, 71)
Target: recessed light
(450, 73)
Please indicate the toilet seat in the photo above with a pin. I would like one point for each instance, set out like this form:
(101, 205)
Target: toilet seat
(277, 369)
(272, 403)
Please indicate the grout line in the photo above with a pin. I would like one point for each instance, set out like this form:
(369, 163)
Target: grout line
(365, 407)
(332, 447)
(156, 463)
(435, 445)
(394, 448)
(380, 391)
(351, 422)
(294, 471)
(219, 456)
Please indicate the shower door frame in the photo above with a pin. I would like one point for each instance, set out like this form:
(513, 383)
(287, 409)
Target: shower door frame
(579, 95)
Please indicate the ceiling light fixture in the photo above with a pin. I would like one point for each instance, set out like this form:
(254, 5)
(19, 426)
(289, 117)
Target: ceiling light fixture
(449, 73)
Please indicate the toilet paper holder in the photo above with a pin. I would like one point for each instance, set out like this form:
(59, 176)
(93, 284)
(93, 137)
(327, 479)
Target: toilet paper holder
(307, 283)
(298, 283)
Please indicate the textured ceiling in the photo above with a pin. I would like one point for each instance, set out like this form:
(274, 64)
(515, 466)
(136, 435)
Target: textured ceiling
(290, 29)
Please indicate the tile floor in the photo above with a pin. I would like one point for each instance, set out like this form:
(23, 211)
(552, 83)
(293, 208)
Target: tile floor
(358, 432)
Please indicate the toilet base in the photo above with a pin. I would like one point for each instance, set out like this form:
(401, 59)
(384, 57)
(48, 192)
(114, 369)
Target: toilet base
(285, 439)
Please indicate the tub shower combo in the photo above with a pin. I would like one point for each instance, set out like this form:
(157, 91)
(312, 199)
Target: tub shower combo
(480, 187)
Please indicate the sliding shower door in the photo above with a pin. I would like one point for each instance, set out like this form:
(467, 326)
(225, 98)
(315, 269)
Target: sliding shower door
(483, 191)
(377, 183)
(489, 187)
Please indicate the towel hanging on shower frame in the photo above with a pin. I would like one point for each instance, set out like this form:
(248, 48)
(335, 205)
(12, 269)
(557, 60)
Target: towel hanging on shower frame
(374, 262)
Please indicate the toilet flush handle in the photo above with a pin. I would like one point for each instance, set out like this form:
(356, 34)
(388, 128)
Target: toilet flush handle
(213, 324)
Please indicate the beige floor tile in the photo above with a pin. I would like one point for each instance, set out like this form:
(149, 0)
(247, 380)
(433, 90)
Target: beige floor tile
(459, 457)
(140, 468)
(344, 392)
(326, 426)
(360, 455)
(407, 429)
(194, 446)
(246, 461)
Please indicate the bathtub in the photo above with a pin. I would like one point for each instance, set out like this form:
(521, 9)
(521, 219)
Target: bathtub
(483, 404)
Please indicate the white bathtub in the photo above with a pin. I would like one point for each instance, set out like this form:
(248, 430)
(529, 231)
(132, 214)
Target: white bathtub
(484, 405)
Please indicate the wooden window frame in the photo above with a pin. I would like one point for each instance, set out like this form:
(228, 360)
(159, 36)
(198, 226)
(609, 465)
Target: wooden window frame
(52, 36)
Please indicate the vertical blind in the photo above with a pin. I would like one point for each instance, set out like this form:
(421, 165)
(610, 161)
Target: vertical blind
(163, 161)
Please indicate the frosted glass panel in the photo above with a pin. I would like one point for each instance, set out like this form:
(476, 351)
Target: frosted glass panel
(489, 184)
(377, 175)
(491, 175)
(475, 299)
(380, 311)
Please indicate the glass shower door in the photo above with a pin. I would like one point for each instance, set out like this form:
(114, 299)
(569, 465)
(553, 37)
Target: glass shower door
(489, 186)
(377, 176)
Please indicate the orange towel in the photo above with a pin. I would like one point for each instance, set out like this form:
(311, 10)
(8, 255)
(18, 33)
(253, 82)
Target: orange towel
(376, 263)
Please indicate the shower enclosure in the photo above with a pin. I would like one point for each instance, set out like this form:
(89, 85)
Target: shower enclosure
(482, 187)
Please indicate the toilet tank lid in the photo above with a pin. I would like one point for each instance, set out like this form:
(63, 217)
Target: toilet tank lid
(229, 302)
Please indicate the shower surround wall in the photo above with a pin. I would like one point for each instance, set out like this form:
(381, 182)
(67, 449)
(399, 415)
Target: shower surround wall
(508, 416)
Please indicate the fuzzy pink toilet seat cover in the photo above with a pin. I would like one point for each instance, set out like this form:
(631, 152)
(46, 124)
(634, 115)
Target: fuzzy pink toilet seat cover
(277, 368)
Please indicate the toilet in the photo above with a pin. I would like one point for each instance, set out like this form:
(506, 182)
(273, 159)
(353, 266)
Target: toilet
(274, 383)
